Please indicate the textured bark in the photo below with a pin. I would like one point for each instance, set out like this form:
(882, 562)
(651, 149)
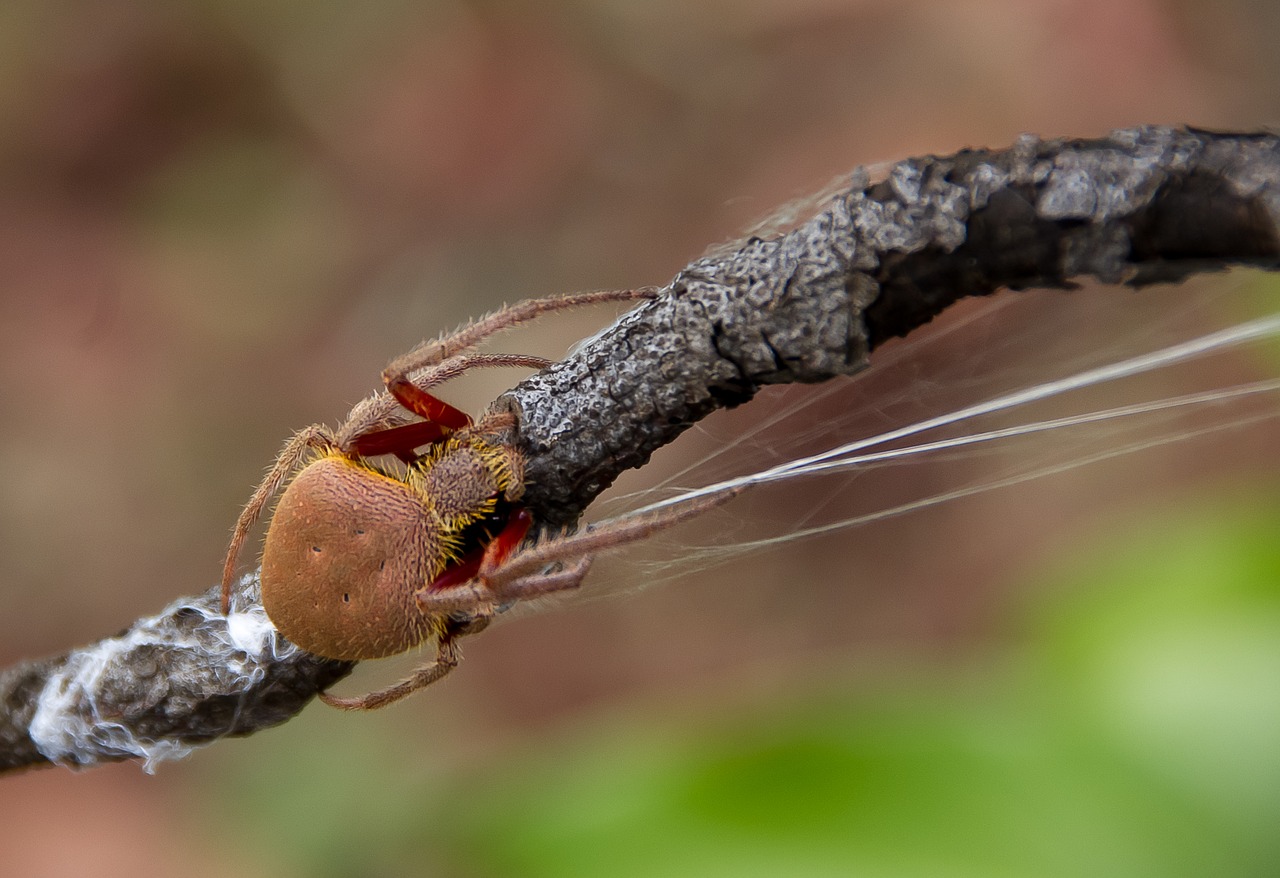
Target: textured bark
(167, 684)
(1141, 206)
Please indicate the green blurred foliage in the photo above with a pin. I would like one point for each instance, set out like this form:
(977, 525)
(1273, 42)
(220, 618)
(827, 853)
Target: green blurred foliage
(1131, 731)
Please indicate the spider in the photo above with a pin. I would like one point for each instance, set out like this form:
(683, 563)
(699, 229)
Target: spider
(364, 561)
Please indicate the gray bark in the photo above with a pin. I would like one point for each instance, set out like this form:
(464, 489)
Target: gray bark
(879, 259)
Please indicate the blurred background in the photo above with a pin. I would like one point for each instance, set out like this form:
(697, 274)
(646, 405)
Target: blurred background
(218, 221)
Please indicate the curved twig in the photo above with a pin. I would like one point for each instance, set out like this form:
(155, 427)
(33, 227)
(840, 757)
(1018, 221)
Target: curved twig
(882, 257)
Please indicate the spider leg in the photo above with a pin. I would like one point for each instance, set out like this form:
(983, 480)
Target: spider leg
(447, 658)
(413, 395)
(492, 422)
(444, 359)
(600, 537)
(288, 460)
(373, 414)
(435, 352)
(477, 596)
(539, 584)
(401, 441)
(523, 575)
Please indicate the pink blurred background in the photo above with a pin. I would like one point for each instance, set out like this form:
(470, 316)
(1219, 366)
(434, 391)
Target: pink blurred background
(218, 222)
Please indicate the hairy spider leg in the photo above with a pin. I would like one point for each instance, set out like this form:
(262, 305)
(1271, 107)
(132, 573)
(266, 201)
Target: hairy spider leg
(425, 405)
(447, 658)
(523, 575)
(413, 395)
(402, 441)
(477, 598)
(446, 358)
(448, 654)
(436, 352)
(289, 459)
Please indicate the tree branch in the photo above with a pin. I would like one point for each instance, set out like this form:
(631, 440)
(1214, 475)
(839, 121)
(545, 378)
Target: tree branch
(1141, 206)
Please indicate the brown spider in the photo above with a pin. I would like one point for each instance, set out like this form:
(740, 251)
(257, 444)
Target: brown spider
(363, 561)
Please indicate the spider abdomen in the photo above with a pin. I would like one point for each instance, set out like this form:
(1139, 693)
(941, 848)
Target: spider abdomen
(347, 550)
